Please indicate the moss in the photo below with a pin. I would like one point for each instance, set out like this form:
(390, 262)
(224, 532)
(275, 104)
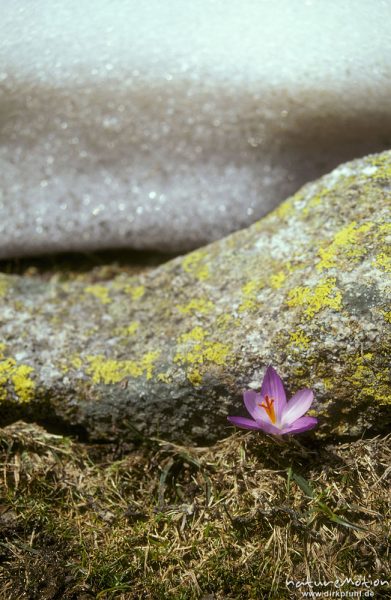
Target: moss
(195, 264)
(324, 295)
(196, 305)
(108, 371)
(100, 292)
(347, 239)
(17, 376)
(104, 528)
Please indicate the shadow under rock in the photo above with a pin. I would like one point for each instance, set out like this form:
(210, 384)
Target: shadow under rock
(105, 264)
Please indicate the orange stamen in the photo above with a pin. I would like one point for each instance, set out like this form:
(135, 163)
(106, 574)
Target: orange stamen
(269, 408)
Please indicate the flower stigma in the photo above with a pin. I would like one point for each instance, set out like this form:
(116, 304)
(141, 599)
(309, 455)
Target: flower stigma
(269, 408)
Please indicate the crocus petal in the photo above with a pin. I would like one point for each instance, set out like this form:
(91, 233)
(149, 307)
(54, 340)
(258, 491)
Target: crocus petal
(272, 386)
(252, 401)
(297, 406)
(269, 428)
(244, 423)
(302, 424)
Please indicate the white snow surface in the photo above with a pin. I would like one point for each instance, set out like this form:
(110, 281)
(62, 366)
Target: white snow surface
(166, 124)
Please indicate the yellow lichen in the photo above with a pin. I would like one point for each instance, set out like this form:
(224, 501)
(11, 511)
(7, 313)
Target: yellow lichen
(195, 335)
(215, 352)
(286, 208)
(100, 292)
(299, 339)
(76, 361)
(6, 367)
(164, 377)
(129, 330)
(223, 322)
(194, 376)
(249, 288)
(4, 285)
(194, 264)
(383, 261)
(248, 305)
(383, 165)
(250, 292)
(24, 386)
(103, 370)
(315, 201)
(147, 362)
(324, 295)
(135, 291)
(370, 381)
(277, 280)
(384, 230)
(16, 376)
(196, 351)
(327, 383)
(387, 315)
(344, 240)
(197, 305)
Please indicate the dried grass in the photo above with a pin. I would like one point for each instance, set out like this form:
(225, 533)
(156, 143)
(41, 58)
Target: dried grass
(157, 520)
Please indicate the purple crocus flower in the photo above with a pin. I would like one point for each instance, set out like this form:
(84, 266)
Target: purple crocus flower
(271, 412)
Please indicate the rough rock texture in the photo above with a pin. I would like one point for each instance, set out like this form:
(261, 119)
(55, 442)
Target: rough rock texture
(169, 352)
(165, 125)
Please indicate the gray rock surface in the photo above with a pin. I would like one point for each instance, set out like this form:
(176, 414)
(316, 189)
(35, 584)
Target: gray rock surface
(169, 352)
(165, 125)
